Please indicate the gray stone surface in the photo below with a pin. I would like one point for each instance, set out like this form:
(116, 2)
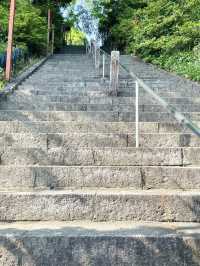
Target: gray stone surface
(67, 152)
(86, 139)
(35, 244)
(69, 156)
(7, 127)
(101, 205)
(54, 177)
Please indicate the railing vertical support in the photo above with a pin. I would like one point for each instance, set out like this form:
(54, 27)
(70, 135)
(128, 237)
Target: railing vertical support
(10, 40)
(104, 61)
(93, 45)
(114, 72)
(49, 29)
(97, 56)
(86, 49)
(137, 114)
(53, 39)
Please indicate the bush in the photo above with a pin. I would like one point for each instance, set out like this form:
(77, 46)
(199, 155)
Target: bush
(165, 32)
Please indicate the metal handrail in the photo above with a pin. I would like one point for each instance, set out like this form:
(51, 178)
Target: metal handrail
(184, 121)
(171, 109)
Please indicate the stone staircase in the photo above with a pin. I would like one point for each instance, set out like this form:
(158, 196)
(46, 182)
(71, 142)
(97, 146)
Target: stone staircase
(75, 190)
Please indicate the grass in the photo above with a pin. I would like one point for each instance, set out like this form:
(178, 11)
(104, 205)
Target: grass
(186, 64)
(2, 81)
(2, 84)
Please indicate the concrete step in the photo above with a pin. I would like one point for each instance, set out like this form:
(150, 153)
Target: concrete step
(13, 115)
(48, 141)
(65, 82)
(66, 94)
(24, 178)
(73, 156)
(9, 127)
(42, 106)
(90, 116)
(56, 84)
(57, 88)
(16, 104)
(103, 91)
(24, 96)
(101, 205)
(88, 243)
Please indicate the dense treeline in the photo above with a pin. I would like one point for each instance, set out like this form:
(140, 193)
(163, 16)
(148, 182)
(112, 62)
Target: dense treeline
(30, 31)
(165, 32)
(31, 24)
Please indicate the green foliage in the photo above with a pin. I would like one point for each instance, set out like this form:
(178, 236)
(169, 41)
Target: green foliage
(166, 32)
(30, 29)
(183, 63)
(2, 82)
(75, 37)
(2, 47)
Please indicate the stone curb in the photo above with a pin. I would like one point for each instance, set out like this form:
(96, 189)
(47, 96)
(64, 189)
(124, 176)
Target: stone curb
(11, 86)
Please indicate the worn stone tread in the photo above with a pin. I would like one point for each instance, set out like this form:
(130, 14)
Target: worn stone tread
(49, 140)
(81, 243)
(52, 177)
(91, 229)
(101, 205)
(86, 116)
(67, 156)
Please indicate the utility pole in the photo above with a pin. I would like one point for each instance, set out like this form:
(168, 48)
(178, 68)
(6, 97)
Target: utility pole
(10, 39)
(49, 29)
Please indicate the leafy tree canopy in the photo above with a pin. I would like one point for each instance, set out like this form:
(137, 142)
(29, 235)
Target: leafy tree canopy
(30, 29)
(157, 30)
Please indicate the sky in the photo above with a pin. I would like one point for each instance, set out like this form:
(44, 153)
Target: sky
(86, 23)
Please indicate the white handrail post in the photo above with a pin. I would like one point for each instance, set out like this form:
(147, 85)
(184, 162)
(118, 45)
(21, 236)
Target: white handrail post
(104, 65)
(53, 39)
(93, 49)
(114, 72)
(97, 57)
(86, 48)
(137, 114)
(95, 54)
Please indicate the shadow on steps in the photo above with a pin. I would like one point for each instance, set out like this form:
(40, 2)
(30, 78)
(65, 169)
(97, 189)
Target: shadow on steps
(75, 245)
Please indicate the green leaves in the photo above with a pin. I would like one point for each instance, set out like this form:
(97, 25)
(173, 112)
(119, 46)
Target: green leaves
(166, 32)
(30, 27)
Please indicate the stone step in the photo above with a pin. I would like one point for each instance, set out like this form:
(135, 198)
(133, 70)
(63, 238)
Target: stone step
(123, 89)
(24, 97)
(70, 76)
(58, 106)
(88, 243)
(49, 141)
(25, 178)
(62, 84)
(97, 82)
(156, 116)
(74, 156)
(103, 92)
(101, 205)
(128, 87)
(72, 93)
(8, 127)
(90, 116)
